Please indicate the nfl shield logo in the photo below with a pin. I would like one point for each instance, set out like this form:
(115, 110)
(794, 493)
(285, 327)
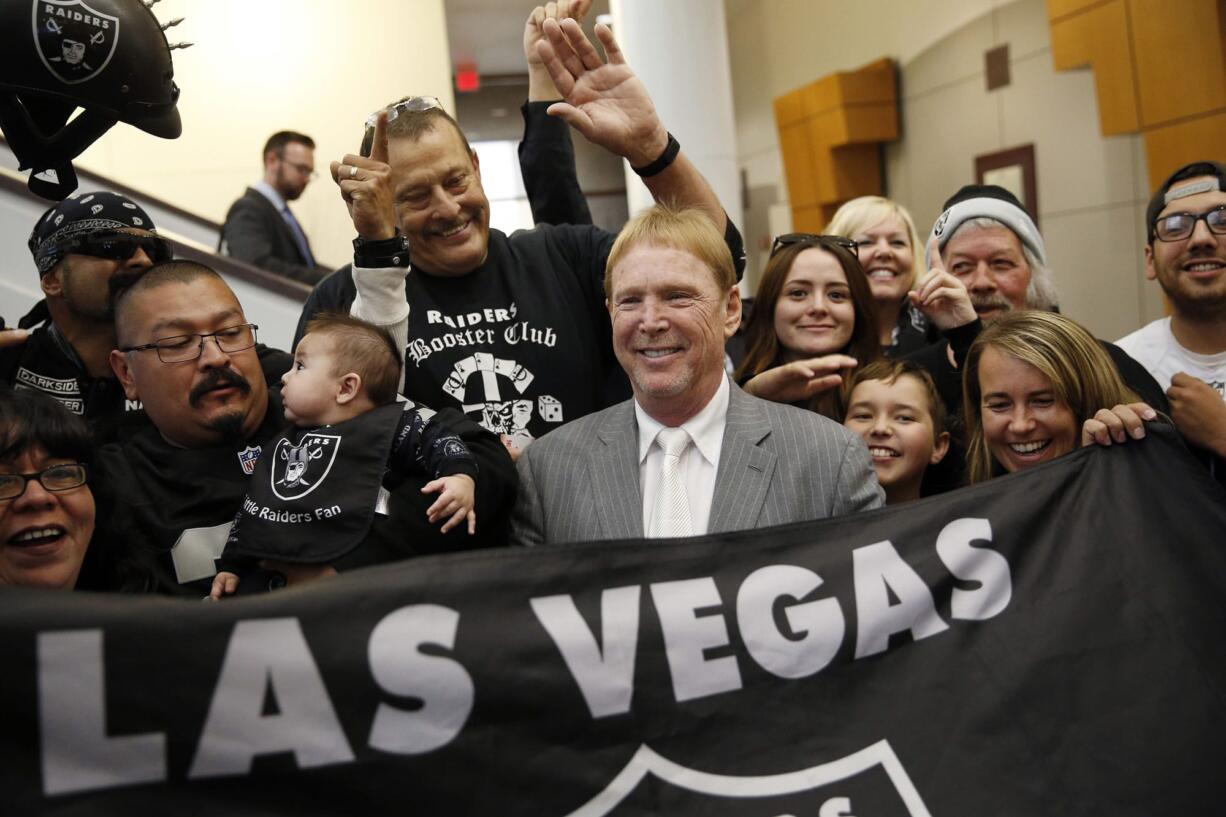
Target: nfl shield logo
(299, 469)
(74, 41)
(247, 458)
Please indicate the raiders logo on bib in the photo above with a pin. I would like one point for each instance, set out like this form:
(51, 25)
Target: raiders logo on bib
(297, 470)
(74, 41)
(313, 495)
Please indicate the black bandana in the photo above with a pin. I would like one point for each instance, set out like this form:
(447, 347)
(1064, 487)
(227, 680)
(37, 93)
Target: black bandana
(82, 213)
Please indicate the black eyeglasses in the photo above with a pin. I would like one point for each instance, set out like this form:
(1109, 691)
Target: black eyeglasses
(117, 246)
(181, 348)
(1178, 226)
(814, 239)
(410, 104)
(56, 478)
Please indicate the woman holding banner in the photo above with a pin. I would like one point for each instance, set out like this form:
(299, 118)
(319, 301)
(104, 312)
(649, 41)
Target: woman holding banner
(1037, 386)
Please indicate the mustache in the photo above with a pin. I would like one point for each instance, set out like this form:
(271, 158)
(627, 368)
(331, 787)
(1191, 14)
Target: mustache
(217, 378)
(990, 302)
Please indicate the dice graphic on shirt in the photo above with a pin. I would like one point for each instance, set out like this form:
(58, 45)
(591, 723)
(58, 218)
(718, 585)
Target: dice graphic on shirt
(549, 408)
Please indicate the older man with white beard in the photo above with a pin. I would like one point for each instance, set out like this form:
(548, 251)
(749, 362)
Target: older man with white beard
(990, 244)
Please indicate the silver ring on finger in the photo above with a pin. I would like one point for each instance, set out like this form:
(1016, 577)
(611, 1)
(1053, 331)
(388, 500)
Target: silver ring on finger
(353, 171)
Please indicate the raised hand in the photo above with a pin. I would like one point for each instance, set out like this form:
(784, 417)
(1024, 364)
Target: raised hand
(801, 379)
(540, 85)
(604, 101)
(942, 297)
(366, 188)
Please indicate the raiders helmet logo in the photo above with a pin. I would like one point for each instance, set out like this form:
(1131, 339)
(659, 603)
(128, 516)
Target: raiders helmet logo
(74, 41)
(869, 783)
(939, 228)
(299, 469)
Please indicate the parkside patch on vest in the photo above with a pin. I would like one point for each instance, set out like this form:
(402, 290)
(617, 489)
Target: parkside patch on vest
(299, 469)
(74, 41)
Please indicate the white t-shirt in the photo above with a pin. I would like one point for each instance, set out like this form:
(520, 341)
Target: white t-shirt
(1155, 348)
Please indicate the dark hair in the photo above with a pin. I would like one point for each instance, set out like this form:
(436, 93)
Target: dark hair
(178, 271)
(277, 142)
(889, 371)
(762, 344)
(1188, 171)
(412, 124)
(360, 347)
(29, 418)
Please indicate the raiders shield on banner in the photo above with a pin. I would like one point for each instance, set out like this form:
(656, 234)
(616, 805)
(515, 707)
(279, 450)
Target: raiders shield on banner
(297, 470)
(74, 41)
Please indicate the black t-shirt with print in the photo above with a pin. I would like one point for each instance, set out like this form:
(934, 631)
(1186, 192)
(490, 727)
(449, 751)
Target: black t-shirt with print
(522, 344)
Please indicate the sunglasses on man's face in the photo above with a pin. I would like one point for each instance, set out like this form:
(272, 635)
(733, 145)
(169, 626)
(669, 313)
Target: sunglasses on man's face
(118, 246)
(814, 240)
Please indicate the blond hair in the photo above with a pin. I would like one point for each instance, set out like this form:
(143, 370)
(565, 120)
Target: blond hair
(688, 229)
(1082, 374)
(866, 212)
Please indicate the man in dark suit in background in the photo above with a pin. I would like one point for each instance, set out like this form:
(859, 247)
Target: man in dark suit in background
(260, 229)
(691, 453)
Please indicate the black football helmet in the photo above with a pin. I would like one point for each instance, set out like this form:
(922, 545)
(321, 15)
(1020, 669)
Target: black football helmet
(108, 57)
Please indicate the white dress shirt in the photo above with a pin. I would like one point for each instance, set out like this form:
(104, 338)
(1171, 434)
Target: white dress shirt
(699, 463)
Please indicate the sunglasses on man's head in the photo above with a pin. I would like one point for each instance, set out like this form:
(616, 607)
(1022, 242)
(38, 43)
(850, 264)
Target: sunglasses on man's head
(117, 246)
(815, 240)
(410, 104)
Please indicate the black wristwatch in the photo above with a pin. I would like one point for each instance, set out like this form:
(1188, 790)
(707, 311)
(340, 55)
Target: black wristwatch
(386, 252)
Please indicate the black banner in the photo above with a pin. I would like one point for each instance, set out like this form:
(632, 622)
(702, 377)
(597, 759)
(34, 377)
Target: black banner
(1047, 643)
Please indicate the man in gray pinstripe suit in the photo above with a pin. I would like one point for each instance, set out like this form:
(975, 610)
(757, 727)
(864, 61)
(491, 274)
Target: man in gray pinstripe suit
(691, 453)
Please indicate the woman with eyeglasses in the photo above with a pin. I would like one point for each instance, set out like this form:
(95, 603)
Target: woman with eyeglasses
(812, 324)
(891, 253)
(46, 508)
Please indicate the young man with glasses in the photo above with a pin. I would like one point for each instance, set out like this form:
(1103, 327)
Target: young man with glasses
(86, 249)
(186, 349)
(260, 228)
(1186, 351)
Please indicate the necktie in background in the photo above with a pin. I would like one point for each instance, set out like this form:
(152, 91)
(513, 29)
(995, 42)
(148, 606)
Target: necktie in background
(299, 236)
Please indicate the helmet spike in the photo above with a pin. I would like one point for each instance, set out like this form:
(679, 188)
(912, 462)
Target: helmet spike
(181, 45)
(172, 23)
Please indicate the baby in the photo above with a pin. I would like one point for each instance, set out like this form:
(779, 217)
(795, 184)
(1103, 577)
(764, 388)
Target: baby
(894, 406)
(315, 490)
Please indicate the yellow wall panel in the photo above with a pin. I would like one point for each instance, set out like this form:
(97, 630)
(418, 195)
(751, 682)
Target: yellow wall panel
(1100, 37)
(1179, 57)
(1168, 148)
(1063, 8)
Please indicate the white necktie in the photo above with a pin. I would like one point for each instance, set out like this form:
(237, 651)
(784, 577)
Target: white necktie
(671, 514)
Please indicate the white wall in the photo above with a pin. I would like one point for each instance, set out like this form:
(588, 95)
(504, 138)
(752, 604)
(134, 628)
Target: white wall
(259, 66)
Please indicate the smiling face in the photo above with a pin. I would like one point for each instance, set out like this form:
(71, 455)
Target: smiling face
(1192, 271)
(1024, 421)
(43, 534)
(888, 259)
(439, 200)
(896, 423)
(217, 397)
(670, 322)
(990, 262)
(814, 314)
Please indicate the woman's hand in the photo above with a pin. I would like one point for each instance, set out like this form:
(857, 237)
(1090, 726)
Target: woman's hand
(801, 379)
(1117, 424)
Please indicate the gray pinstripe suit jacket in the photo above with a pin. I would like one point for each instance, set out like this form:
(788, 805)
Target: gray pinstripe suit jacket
(778, 464)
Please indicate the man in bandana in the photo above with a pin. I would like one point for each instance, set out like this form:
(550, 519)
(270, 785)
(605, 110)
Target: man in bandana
(86, 248)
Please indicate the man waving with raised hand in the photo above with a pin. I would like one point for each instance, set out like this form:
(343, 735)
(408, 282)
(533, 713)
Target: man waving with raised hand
(510, 329)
